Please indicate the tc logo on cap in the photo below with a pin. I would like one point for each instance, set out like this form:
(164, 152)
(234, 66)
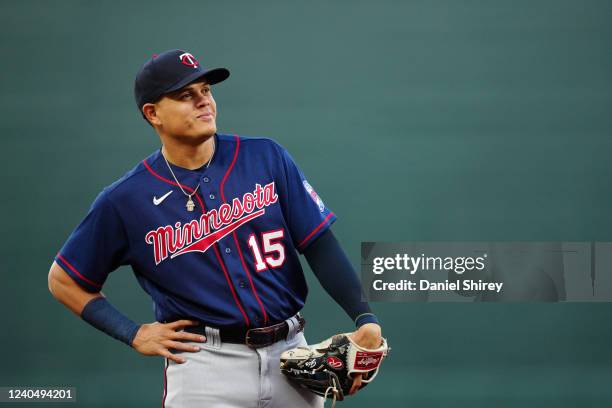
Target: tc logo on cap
(189, 60)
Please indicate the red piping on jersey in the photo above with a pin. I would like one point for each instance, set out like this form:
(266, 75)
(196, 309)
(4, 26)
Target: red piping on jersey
(244, 266)
(229, 282)
(165, 384)
(314, 231)
(164, 179)
(197, 196)
(73, 269)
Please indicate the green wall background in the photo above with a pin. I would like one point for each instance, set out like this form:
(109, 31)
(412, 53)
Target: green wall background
(414, 120)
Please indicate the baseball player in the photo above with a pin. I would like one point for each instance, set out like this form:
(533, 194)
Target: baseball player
(212, 226)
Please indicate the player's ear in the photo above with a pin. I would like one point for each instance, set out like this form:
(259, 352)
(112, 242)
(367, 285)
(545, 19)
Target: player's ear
(150, 113)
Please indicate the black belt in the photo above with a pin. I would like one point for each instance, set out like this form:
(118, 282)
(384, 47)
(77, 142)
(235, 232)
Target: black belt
(259, 337)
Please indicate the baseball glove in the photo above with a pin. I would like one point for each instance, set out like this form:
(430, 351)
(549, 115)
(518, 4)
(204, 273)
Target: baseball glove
(327, 368)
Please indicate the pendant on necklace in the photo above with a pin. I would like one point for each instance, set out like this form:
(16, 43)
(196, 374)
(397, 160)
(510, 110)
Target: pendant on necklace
(190, 205)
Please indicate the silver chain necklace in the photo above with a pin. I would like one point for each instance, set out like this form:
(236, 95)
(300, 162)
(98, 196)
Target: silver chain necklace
(190, 205)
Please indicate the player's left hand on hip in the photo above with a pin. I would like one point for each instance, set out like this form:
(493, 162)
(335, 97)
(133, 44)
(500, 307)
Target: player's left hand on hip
(368, 336)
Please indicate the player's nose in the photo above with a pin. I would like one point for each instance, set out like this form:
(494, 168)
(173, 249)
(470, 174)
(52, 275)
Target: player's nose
(202, 99)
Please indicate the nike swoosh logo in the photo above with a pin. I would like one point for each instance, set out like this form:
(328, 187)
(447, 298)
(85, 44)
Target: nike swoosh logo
(203, 244)
(158, 201)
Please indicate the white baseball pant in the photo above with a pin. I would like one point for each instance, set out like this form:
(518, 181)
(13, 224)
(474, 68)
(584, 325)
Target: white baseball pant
(229, 375)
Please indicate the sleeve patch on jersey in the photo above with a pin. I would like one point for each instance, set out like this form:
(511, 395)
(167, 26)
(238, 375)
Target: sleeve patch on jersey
(315, 197)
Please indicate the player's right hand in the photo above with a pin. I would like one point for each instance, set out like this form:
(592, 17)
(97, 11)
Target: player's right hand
(156, 339)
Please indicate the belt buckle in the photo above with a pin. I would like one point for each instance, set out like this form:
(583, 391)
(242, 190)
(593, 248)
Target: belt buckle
(262, 330)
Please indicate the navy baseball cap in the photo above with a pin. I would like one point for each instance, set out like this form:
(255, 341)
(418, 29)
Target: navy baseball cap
(170, 71)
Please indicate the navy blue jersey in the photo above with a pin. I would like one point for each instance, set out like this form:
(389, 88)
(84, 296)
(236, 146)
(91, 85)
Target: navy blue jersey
(233, 261)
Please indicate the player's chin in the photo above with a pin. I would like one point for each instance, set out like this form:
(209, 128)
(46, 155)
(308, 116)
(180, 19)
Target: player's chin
(204, 129)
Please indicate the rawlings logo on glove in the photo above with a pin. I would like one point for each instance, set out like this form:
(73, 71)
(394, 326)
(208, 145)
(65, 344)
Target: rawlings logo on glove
(327, 368)
(367, 361)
